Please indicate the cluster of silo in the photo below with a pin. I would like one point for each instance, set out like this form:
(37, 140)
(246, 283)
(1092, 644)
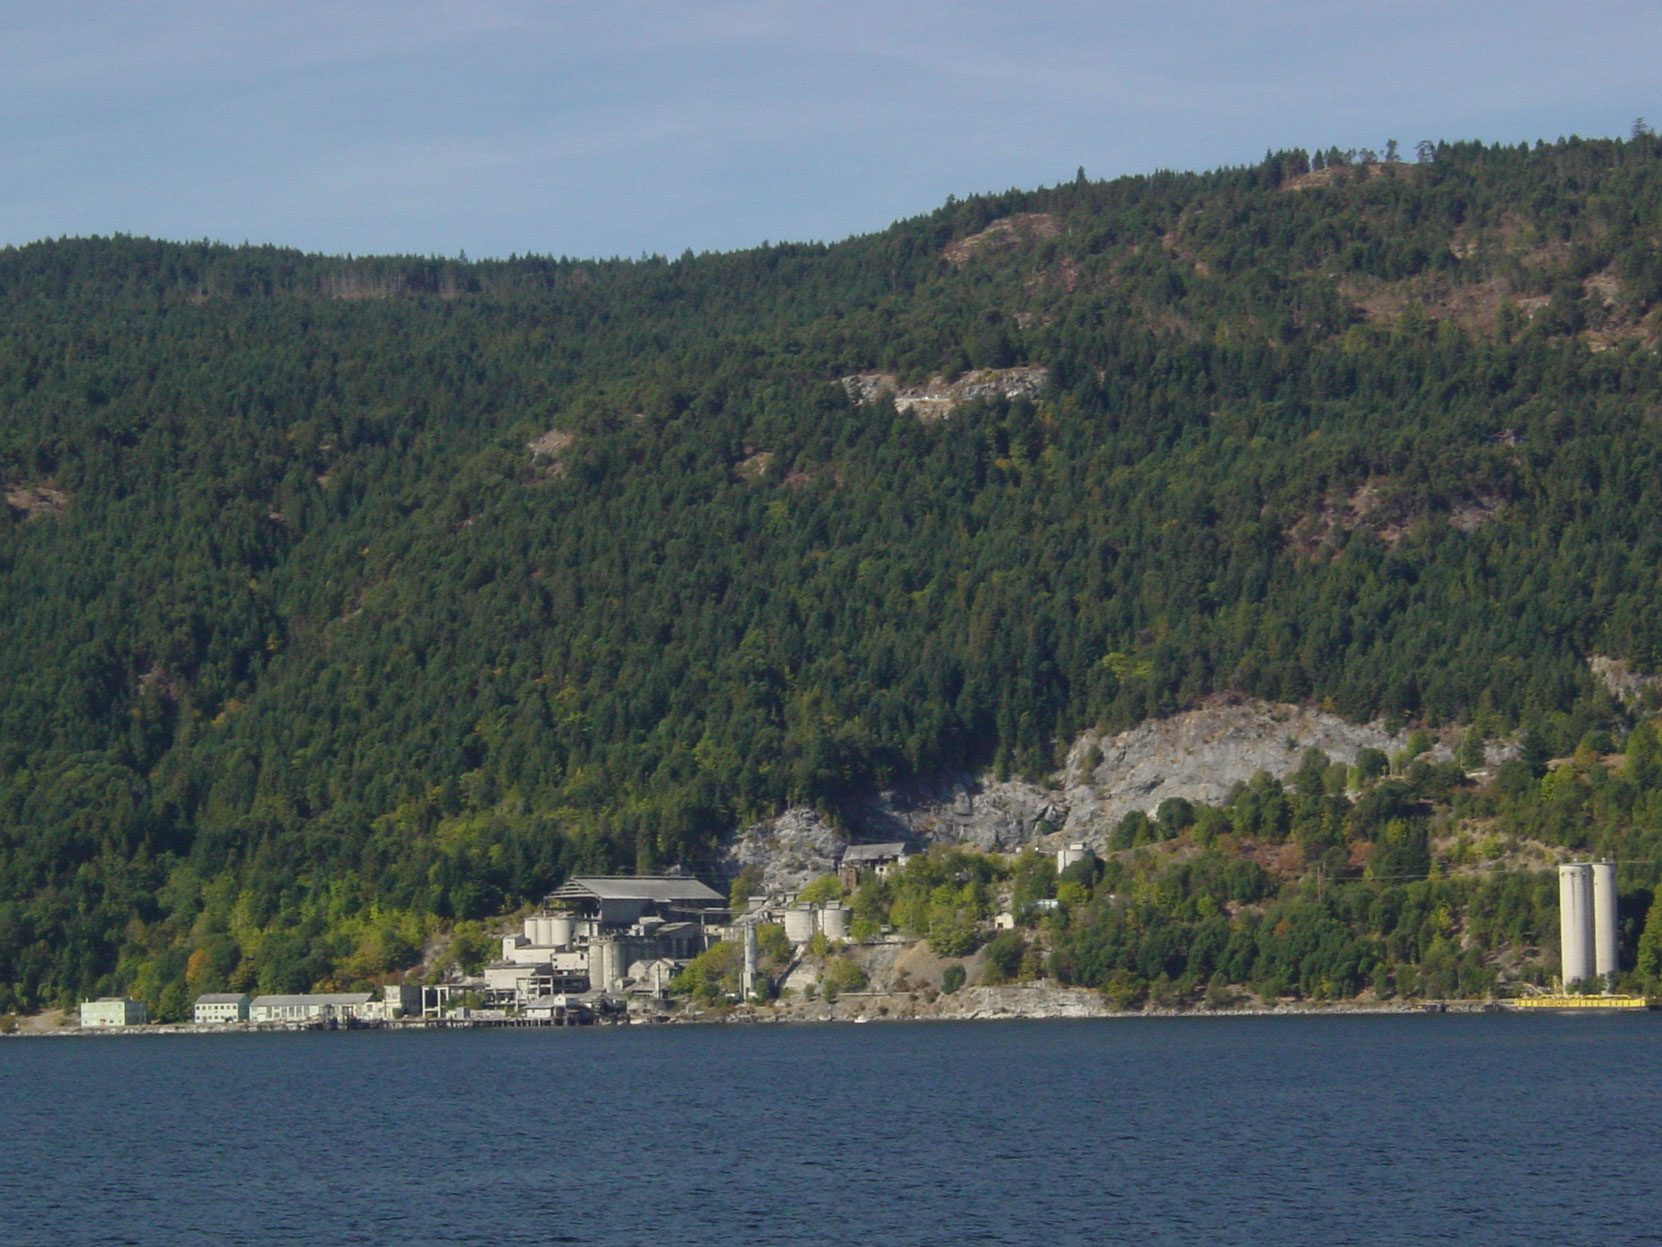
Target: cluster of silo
(803, 922)
(1587, 920)
(549, 931)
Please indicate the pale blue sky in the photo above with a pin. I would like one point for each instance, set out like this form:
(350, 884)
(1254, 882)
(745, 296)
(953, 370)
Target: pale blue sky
(500, 126)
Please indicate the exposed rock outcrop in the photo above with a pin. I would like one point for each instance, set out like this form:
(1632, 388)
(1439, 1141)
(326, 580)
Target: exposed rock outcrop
(34, 498)
(791, 850)
(937, 399)
(1198, 755)
(1628, 686)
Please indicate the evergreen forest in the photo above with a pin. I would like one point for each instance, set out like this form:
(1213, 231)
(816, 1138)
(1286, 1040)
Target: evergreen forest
(346, 600)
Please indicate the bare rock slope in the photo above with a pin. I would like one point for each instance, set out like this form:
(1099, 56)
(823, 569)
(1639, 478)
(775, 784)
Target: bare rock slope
(1199, 755)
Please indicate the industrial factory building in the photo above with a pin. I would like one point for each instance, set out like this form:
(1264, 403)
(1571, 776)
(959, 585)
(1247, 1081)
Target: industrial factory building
(313, 1007)
(219, 1008)
(113, 1011)
(597, 933)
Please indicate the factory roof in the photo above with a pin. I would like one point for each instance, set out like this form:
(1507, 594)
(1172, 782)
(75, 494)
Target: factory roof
(671, 929)
(875, 852)
(659, 888)
(327, 998)
(221, 998)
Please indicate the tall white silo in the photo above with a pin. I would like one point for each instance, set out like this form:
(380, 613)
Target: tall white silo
(1575, 921)
(1604, 919)
(748, 986)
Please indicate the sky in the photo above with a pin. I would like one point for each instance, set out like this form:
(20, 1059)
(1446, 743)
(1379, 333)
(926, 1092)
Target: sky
(631, 127)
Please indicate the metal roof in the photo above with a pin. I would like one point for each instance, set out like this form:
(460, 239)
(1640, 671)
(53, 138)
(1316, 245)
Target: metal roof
(330, 998)
(872, 852)
(657, 888)
(221, 998)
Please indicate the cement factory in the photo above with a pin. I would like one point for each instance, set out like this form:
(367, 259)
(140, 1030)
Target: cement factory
(611, 944)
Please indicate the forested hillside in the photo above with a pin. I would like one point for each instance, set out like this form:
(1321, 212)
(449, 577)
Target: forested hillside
(343, 596)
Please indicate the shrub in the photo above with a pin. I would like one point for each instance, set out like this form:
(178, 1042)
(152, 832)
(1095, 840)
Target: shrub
(825, 888)
(1004, 957)
(712, 972)
(958, 940)
(843, 975)
(953, 979)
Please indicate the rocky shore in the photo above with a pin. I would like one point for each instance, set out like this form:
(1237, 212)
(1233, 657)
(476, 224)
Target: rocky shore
(1031, 1001)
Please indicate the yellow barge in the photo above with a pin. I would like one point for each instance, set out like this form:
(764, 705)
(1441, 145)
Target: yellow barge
(1579, 1003)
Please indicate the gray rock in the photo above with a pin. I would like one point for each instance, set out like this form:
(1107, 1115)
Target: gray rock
(1199, 755)
(792, 850)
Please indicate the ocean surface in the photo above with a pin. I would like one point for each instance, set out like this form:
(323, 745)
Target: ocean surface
(1391, 1130)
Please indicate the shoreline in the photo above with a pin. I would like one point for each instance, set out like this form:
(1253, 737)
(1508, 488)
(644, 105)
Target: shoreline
(972, 1004)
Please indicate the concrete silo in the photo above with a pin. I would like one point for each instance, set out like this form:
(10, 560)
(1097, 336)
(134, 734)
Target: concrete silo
(559, 932)
(800, 922)
(1575, 921)
(833, 921)
(1604, 919)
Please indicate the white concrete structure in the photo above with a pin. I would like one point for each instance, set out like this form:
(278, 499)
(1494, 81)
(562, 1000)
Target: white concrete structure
(800, 923)
(219, 1008)
(1604, 920)
(1575, 921)
(833, 921)
(114, 1011)
(747, 984)
(1072, 855)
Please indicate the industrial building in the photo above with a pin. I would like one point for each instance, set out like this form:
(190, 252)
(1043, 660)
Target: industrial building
(320, 1007)
(879, 859)
(114, 1011)
(596, 934)
(218, 1008)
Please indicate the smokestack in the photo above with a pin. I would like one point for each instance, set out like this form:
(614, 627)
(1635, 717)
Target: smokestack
(1575, 921)
(748, 986)
(1604, 920)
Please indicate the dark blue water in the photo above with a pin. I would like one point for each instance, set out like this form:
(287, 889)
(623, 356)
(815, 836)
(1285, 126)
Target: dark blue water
(1483, 1130)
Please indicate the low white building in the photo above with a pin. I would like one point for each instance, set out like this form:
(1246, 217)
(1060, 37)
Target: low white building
(324, 1006)
(114, 1011)
(217, 1008)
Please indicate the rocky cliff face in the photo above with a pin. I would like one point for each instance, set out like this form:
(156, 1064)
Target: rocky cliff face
(1199, 755)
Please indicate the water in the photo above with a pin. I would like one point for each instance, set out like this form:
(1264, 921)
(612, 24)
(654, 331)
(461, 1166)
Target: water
(1216, 1131)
